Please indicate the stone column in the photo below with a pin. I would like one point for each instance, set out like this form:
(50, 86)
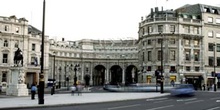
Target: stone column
(17, 87)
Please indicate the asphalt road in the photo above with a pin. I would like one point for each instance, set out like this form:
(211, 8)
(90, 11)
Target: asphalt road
(201, 101)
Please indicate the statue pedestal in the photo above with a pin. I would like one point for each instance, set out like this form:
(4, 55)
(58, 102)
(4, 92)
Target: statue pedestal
(17, 86)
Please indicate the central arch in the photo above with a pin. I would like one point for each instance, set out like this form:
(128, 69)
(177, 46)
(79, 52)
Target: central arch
(116, 74)
(131, 75)
(99, 75)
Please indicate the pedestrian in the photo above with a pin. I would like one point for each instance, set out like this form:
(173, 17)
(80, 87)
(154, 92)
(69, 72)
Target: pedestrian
(33, 91)
(203, 87)
(172, 83)
(73, 89)
(79, 88)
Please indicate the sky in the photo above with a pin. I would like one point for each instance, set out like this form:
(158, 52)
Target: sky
(89, 19)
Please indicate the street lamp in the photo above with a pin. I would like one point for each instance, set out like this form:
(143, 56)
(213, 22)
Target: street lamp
(59, 77)
(75, 77)
(53, 87)
(215, 88)
(161, 69)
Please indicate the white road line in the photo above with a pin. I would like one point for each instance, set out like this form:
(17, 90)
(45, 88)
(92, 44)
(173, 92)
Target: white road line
(156, 99)
(119, 107)
(186, 99)
(213, 108)
(194, 101)
(215, 98)
(163, 101)
(160, 107)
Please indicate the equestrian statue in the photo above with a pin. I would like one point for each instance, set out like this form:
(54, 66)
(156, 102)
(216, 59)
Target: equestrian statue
(18, 58)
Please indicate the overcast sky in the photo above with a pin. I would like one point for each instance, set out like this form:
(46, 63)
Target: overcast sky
(89, 19)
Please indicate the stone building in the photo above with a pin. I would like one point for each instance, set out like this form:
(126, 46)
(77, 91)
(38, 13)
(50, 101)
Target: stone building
(185, 37)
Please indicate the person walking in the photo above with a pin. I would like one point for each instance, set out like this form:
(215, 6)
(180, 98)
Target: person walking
(79, 88)
(73, 89)
(33, 91)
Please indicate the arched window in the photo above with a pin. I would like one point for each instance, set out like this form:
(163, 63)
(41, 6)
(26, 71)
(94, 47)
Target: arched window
(5, 43)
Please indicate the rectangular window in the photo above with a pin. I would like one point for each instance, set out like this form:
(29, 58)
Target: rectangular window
(4, 76)
(32, 60)
(150, 29)
(143, 59)
(211, 47)
(218, 61)
(217, 35)
(149, 42)
(196, 30)
(160, 28)
(159, 55)
(187, 55)
(196, 55)
(211, 61)
(188, 68)
(16, 44)
(210, 20)
(172, 55)
(6, 28)
(197, 68)
(186, 29)
(33, 47)
(5, 43)
(172, 41)
(149, 68)
(5, 58)
(196, 42)
(17, 29)
(172, 28)
(149, 56)
(210, 34)
(159, 41)
(187, 42)
(218, 47)
(217, 20)
(172, 69)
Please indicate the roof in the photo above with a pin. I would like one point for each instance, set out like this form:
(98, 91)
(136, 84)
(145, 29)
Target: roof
(33, 30)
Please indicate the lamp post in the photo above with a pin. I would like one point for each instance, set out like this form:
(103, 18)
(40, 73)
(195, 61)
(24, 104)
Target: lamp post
(53, 87)
(75, 76)
(59, 77)
(215, 88)
(41, 76)
(161, 69)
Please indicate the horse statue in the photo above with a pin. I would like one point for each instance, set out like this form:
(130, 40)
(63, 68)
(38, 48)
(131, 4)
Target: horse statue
(18, 58)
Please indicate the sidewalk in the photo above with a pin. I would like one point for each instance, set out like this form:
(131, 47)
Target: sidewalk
(68, 99)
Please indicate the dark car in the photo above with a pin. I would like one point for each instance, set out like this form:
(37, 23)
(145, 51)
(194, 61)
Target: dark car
(183, 89)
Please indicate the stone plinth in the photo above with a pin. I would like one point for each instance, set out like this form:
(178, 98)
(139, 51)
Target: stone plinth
(16, 86)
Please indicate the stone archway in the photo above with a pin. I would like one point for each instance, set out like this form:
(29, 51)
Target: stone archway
(116, 74)
(99, 75)
(131, 75)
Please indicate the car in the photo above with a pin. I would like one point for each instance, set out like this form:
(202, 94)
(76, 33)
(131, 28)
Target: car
(183, 89)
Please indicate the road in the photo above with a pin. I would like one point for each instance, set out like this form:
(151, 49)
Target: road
(201, 101)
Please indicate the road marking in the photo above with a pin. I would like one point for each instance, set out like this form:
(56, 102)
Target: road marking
(156, 99)
(163, 101)
(186, 99)
(214, 98)
(160, 107)
(213, 108)
(194, 101)
(119, 107)
(217, 100)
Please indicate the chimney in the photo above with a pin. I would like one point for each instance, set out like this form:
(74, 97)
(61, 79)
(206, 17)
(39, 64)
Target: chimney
(156, 9)
(63, 39)
(152, 11)
(162, 8)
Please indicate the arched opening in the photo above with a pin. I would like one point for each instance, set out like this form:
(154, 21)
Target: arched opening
(131, 75)
(99, 75)
(116, 74)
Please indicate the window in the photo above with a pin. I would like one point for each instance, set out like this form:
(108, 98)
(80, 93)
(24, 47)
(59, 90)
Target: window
(172, 69)
(218, 47)
(186, 29)
(172, 41)
(149, 42)
(6, 28)
(218, 61)
(188, 68)
(160, 28)
(197, 68)
(159, 41)
(143, 57)
(210, 20)
(211, 47)
(16, 44)
(172, 28)
(211, 61)
(17, 29)
(196, 30)
(149, 68)
(172, 55)
(217, 20)
(187, 55)
(149, 56)
(34, 61)
(187, 42)
(5, 43)
(196, 55)
(196, 42)
(33, 47)
(150, 29)
(5, 58)
(159, 55)
(4, 76)
(210, 34)
(218, 35)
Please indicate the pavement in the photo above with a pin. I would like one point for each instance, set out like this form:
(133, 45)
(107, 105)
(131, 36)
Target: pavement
(65, 98)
